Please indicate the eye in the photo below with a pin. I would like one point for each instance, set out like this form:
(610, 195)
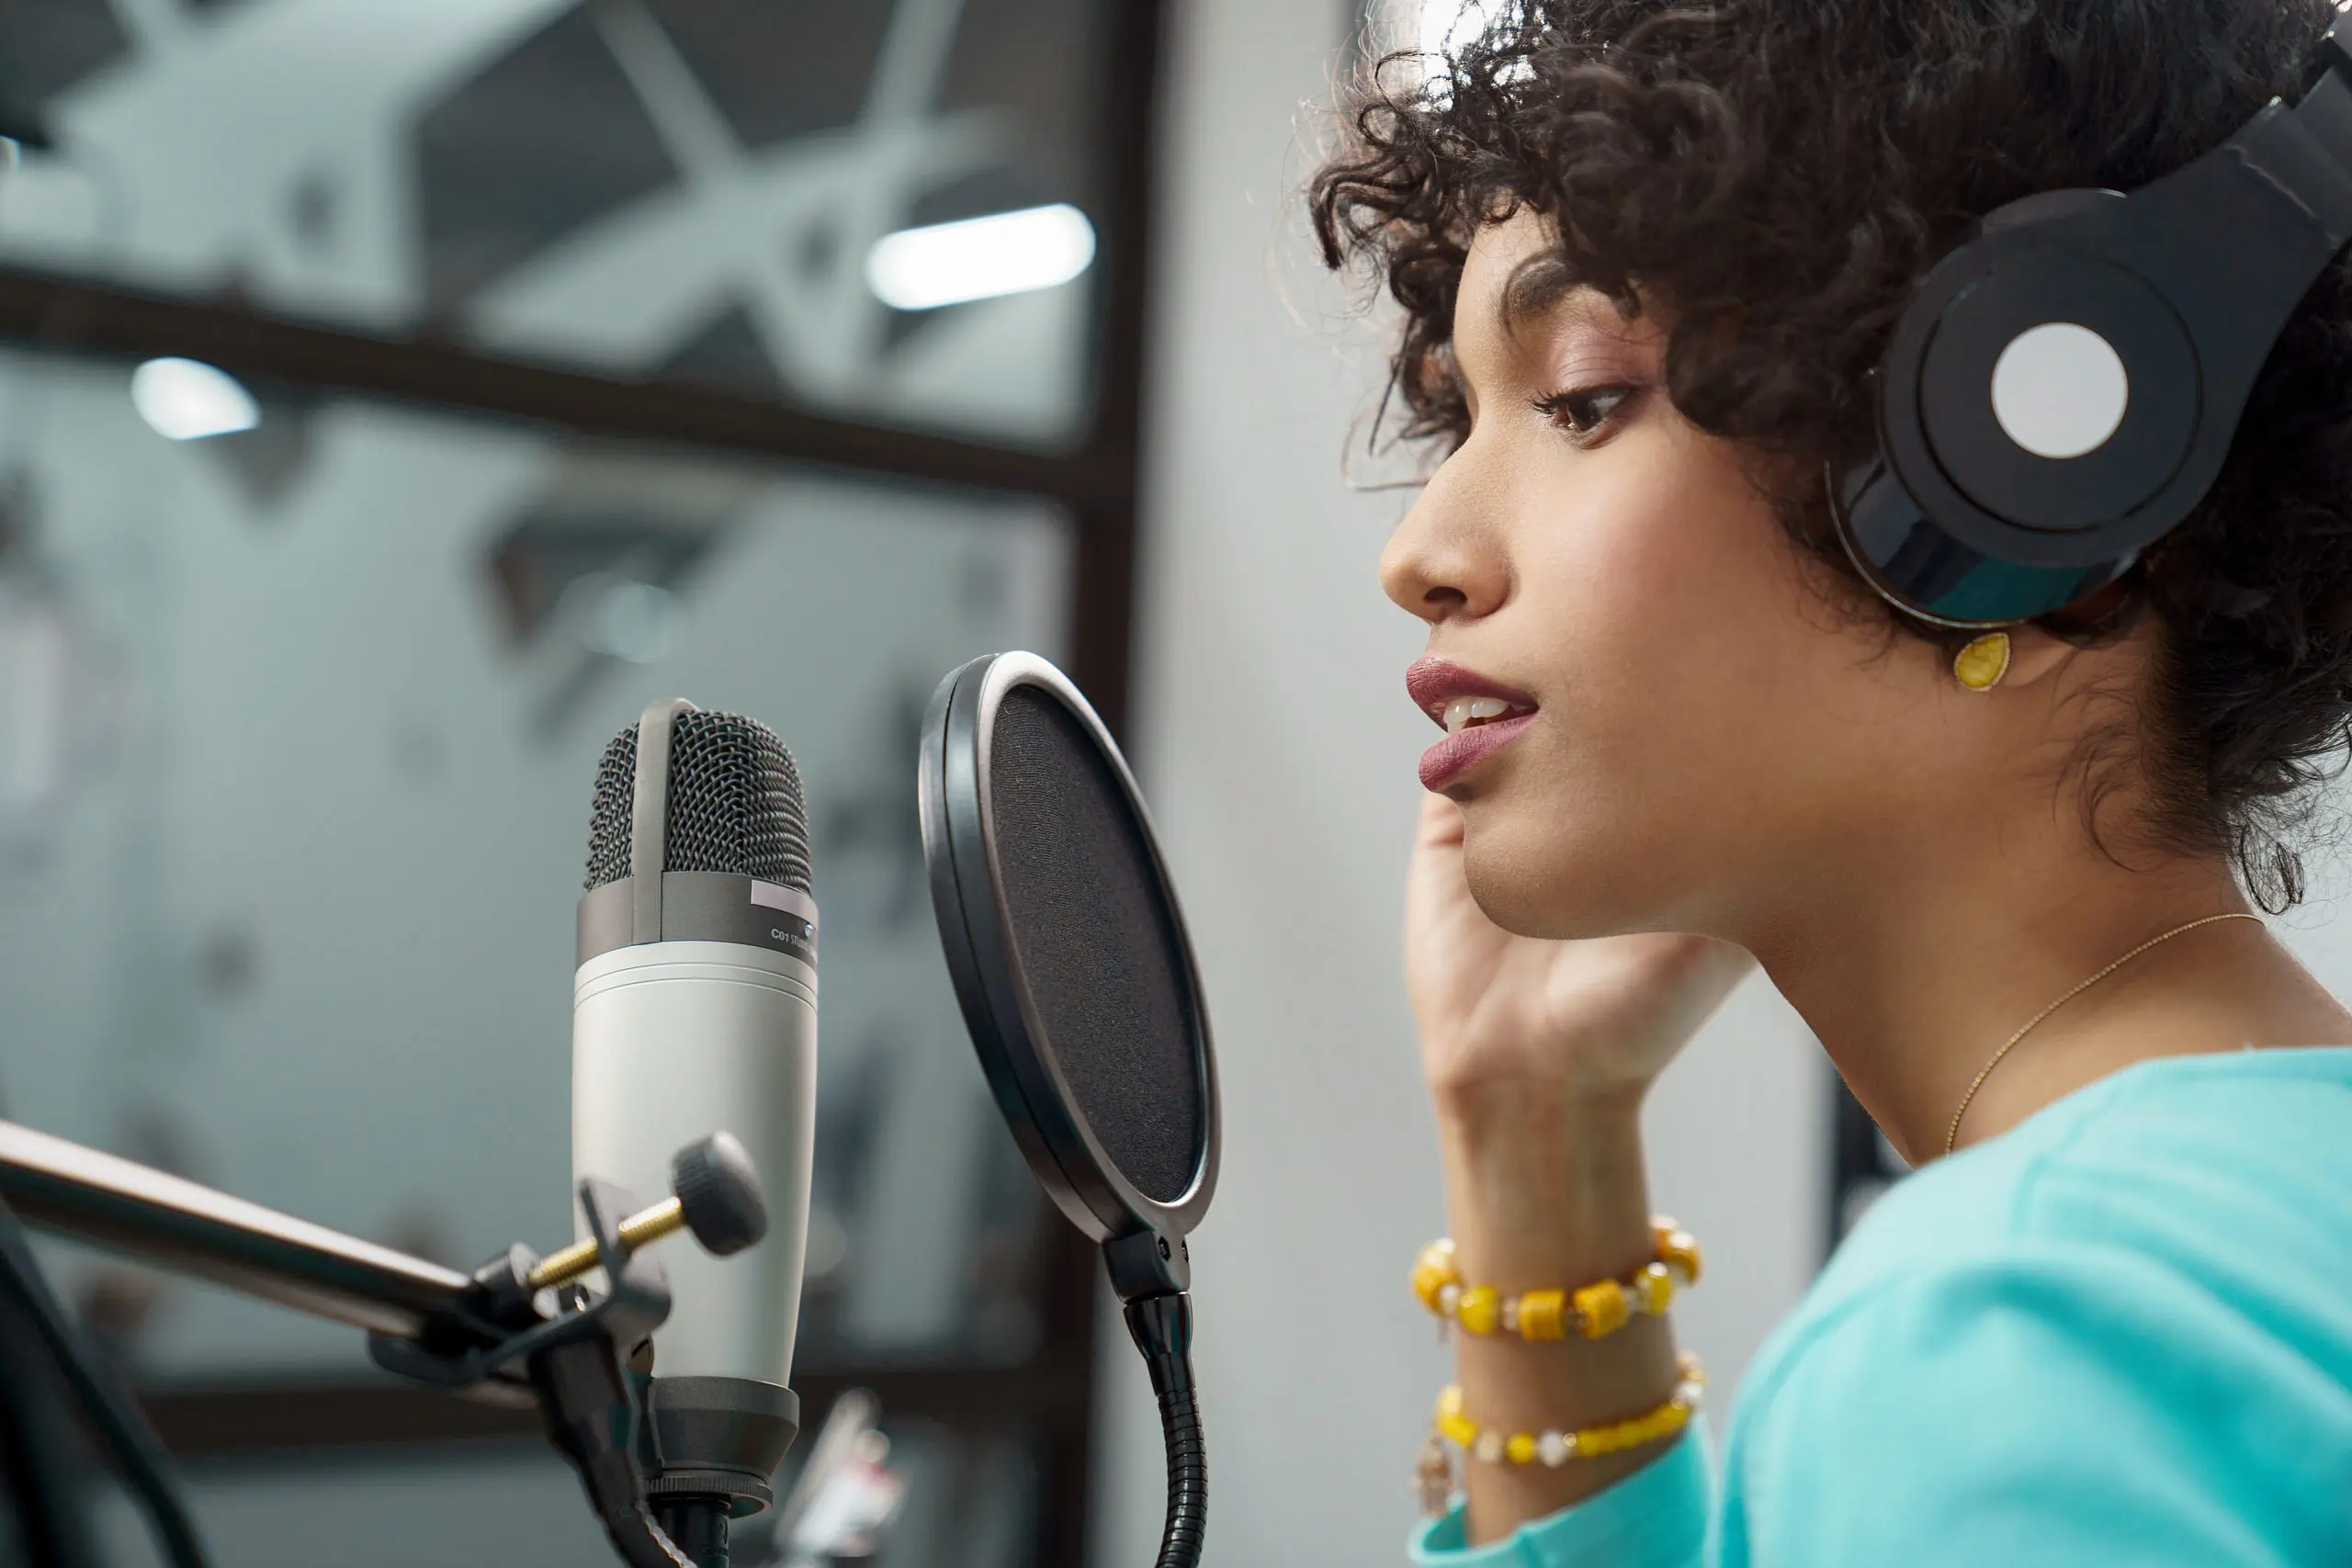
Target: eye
(1584, 412)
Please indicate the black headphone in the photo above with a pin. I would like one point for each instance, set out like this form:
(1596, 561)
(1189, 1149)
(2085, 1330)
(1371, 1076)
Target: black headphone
(2064, 388)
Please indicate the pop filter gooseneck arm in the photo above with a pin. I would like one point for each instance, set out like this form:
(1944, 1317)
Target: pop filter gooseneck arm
(1077, 985)
(1162, 1329)
(1160, 1323)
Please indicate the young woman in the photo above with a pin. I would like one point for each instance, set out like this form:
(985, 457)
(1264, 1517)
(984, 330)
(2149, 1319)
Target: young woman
(1647, 257)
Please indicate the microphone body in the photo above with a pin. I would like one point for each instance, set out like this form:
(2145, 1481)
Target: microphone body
(672, 1041)
(694, 1012)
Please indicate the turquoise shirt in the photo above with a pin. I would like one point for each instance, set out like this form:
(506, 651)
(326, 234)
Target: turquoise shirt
(2119, 1334)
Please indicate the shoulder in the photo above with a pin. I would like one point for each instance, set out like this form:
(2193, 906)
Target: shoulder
(2231, 1170)
(2126, 1327)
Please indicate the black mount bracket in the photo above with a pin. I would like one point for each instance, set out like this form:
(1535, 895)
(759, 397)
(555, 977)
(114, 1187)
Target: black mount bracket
(571, 1350)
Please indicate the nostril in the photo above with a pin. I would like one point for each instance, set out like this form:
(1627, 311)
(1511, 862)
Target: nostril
(1445, 599)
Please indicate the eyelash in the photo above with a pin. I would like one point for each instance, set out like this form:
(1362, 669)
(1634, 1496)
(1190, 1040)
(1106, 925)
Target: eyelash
(1570, 410)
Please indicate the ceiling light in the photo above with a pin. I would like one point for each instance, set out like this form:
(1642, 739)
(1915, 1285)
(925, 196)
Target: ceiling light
(980, 258)
(186, 399)
(622, 618)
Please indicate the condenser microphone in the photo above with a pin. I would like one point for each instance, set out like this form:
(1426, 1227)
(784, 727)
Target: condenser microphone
(694, 1011)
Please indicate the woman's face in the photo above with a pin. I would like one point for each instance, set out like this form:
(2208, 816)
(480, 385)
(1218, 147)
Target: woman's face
(1699, 725)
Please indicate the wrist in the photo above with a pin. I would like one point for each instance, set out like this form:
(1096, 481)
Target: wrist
(1542, 1188)
(1502, 1107)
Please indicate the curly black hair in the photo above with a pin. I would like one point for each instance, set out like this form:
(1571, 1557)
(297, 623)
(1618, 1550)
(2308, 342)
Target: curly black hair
(1775, 177)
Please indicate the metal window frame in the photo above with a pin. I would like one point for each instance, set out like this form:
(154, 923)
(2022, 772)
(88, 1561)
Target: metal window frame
(1050, 1395)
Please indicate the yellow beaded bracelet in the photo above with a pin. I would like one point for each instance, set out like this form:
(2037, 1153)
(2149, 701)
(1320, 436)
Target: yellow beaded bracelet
(1552, 1447)
(1592, 1311)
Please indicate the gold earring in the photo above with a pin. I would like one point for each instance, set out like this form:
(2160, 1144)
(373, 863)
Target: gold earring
(1980, 665)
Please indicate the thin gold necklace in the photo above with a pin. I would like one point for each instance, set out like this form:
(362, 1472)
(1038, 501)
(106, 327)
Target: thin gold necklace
(1951, 1134)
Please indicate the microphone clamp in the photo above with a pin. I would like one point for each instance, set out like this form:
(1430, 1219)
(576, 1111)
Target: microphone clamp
(571, 1350)
(714, 1193)
(528, 1327)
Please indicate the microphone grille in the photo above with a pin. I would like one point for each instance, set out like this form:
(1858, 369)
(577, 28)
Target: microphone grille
(735, 803)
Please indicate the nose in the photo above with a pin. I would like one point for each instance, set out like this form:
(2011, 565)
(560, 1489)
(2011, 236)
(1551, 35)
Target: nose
(1445, 560)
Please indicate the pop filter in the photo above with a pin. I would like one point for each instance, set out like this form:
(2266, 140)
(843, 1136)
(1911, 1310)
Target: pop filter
(1077, 985)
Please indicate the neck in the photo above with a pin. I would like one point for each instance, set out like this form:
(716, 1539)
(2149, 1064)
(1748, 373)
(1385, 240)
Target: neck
(1913, 982)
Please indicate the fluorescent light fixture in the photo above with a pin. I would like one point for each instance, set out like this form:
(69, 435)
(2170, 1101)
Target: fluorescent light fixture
(622, 618)
(980, 258)
(186, 399)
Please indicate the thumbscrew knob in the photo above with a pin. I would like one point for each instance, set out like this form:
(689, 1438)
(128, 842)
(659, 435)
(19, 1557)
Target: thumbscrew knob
(718, 1190)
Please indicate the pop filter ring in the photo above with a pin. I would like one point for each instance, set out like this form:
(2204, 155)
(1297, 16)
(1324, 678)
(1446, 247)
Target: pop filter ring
(975, 933)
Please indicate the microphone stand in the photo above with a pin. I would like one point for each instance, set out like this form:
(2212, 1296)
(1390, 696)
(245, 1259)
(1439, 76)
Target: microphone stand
(44, 1371)
(491, 1333)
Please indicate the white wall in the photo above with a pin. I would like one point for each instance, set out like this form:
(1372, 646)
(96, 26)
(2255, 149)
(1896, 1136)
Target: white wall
(1278, 750)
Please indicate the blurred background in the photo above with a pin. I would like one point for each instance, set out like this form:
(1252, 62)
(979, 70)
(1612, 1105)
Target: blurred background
(394, 398)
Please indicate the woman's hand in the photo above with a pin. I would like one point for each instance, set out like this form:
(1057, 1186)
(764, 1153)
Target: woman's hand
(1538, 1053)
(1511, 1015)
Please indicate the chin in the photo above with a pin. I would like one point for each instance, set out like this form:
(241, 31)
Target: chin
(1534, 879)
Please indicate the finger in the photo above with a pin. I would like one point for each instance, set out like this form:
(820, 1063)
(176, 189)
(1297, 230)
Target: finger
(1434, 881)
(1439, 823)
(1725, 963)
(1698, 957)
(1706, 971)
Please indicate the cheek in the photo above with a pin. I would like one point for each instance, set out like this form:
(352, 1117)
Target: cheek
(1683, 667)
(1668, 579)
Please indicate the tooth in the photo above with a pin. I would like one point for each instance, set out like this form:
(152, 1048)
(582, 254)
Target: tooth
(1489, 707)
(1457, 713)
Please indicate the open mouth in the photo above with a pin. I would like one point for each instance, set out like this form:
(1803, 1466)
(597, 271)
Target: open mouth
(1457, 699)
(1468, 713)
(1479, 717)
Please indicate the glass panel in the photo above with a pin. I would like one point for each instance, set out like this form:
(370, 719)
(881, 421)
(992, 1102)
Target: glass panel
(297, 730)
(688, 187)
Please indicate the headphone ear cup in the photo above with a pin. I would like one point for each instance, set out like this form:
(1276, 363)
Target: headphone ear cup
(1914, 564)
(1894, 543)
(2067, 449)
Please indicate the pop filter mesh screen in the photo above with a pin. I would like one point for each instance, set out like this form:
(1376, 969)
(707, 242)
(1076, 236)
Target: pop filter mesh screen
(1098, 942)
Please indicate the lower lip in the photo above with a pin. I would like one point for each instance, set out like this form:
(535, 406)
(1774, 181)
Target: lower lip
(1465, 749)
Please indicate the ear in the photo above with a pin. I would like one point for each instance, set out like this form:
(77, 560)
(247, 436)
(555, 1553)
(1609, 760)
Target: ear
(2036, 656)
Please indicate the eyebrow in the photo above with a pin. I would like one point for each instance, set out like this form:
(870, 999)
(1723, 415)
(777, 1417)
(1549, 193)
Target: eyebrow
(1533, 290)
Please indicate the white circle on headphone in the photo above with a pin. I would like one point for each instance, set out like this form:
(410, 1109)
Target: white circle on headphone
(2060, 390)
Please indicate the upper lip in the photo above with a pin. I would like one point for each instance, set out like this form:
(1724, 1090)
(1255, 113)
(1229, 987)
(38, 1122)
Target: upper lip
(1433, 683)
